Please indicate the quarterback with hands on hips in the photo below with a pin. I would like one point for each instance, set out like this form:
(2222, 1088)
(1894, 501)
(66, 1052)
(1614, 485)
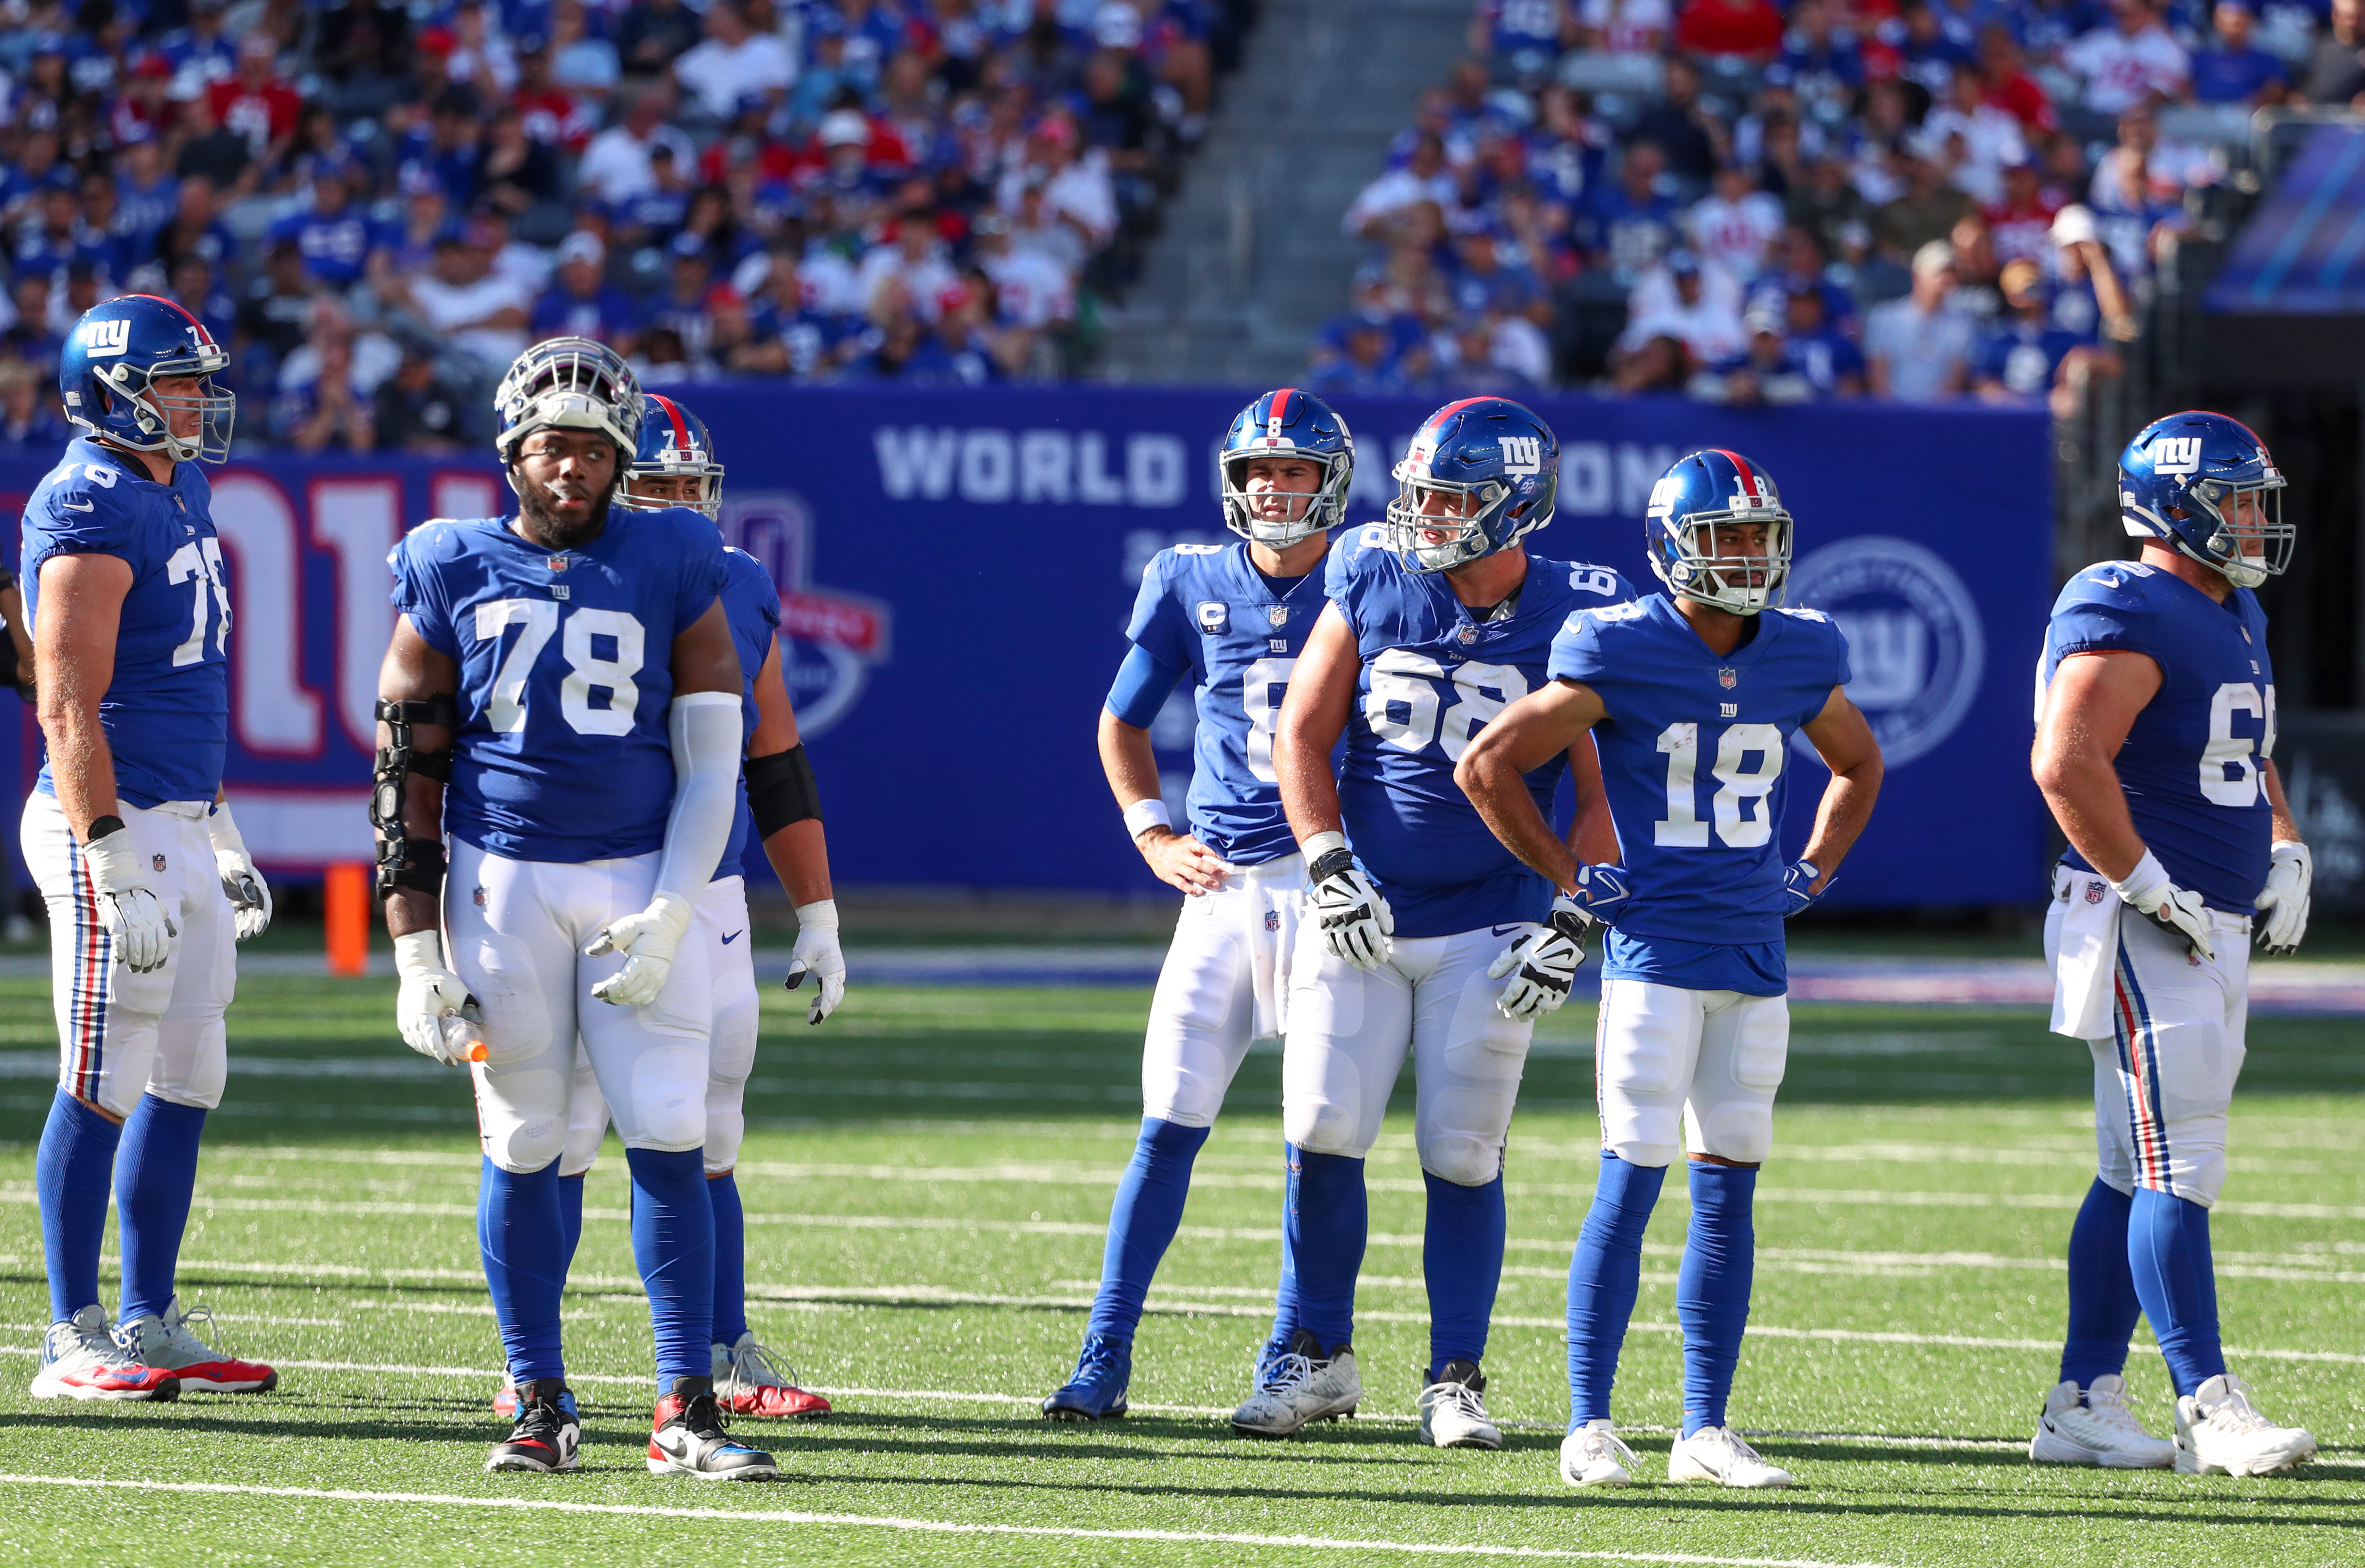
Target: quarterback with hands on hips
(1699, 690)
(2155, 742)
(562, 698)
(148, 884)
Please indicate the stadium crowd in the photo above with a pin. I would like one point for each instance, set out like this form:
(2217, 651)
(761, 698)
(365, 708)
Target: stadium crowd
(374, 206)
(1911, 199)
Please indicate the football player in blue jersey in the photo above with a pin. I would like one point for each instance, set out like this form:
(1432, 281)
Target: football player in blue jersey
(1438, 620)
(148, 884)
(562, 697)
(2156, 734)
(676, 466)
(1697, 692)
(1231, 618)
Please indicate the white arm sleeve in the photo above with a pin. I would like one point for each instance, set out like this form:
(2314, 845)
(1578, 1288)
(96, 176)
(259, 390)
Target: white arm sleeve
(708, 738)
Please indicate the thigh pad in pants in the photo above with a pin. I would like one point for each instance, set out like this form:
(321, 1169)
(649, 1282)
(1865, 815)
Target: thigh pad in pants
(1349, 1032)
(1468, 1058)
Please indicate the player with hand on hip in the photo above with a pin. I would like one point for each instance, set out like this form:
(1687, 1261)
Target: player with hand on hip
(1233, 618)
(2155, 739)
(1438, 618)
(562, 697)
(148, 884)
(1695, 692)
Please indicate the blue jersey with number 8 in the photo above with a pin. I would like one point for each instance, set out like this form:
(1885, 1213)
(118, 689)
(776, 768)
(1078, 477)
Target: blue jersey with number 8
(565, 674)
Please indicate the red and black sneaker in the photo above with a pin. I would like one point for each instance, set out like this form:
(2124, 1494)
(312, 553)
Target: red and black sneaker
(687, 1439)
(169, 1341)
(81, 1360)
(748, 1382)
(548, 1436)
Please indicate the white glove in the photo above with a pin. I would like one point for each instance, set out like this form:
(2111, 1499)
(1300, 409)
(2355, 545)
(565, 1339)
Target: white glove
(1356, 921)
(138, 928)
(431, 999)
(817, 954)
(2174, 908)
(2284, 901)
(647, 940)
(1542, 964)
(248, 894)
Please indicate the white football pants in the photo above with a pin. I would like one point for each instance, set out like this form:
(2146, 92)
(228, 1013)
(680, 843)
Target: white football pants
(1679, 1072)
(515, 932)
(2164, 1080)
(721, 929)
(1349, 1030)
(1225, 984)
(122, 1034)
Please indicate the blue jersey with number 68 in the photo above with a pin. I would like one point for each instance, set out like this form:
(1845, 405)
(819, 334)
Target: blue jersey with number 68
(1430, 678)
(565, 674)
(2191, 759)
(1696, 757)
(166, 712)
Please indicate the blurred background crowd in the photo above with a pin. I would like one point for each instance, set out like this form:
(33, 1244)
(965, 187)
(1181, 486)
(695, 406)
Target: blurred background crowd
(374, 206)
(1914, 199)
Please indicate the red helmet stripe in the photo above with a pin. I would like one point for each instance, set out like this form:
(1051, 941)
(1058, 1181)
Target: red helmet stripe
(1280, 414)
(203, 336)
(1748, 478)
(680, 430)
(1454, 408)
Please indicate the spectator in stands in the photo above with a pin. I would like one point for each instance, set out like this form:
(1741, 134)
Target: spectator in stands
(1633, 223)
(199, 54)
(1821, 63)
(1659, 364)
(1747, 31)
(146, 194)
(1832, 362)
(914, 259)
(734, 63)
(653, 34)
(1926, 52)
(1827, 203)
(1972, 136)
(2026, 357)
(1917, 349)
(1625, 26)
(2088, 297)
(364, 50)
(2022, 223)
(2129, 62)
(2010, 88)
(2134, 213)
(1424, 178)
(334, 235)
(416, 411)
(1685, 134)
(463, 303)
(1927, 210)
(256, 104)
(198, 288)
(580, 303)
(1764, 372)
(519, 174)
(2335, 67)
(581, 61)
(29, 423)
(1977, 273)
(1733, 224)
(212, 151)
(2234, 69)
(277, 315)
(1679, 299)
(1077, 190)
(1031, 293)
(616, 165)
(323, 402)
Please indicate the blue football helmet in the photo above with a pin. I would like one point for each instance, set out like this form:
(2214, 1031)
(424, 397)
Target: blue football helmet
(1483, 472)
(2182, 481)
(1690, 500)
(1288, 423)
(110, 364)
(674, 445)
(567, 384)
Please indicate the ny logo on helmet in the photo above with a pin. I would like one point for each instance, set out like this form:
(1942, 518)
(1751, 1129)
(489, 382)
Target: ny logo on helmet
(101, 339)
(1523, 454)
(2176, 454)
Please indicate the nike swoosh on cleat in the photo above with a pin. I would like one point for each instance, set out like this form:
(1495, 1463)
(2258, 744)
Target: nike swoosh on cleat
(735, 936)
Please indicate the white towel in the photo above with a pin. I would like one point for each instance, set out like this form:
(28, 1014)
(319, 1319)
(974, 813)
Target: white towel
(2088, 953)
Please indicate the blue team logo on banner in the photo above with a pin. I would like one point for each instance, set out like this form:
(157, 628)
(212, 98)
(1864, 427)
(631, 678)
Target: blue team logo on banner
(829, 641)
(1916, 648)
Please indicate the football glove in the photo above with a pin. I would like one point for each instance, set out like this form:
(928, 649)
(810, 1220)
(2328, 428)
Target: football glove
(430, 1001)
(647, 940)
(1798, 887)
(817, 954)
(1599, 891)
(1542, 964)
(138, 928)
(1356, 921)
(2173, 909)
(2284, 901)
(248, 894)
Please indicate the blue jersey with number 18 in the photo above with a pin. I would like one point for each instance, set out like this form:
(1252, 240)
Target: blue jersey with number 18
(1694, 755)
(1430, 678)
(565, 674)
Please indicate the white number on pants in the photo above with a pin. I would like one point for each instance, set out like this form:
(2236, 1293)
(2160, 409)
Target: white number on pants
(1740, 808)
(2227, 750)
(1401, 677)
(1262, 689)
(587, 670)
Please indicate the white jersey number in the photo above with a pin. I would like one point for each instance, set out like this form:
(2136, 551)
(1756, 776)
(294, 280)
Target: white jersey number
(199, 562)
(587, 670)
(1741, 807)
(2229, 770)
(1262, 689)
(1401, 677)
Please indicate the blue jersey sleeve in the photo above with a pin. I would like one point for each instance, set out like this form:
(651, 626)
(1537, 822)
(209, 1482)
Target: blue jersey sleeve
(1339, 572)
(418, 589)
(82, 509)
(1158, 627)
(2102, 610)
(1577, 651)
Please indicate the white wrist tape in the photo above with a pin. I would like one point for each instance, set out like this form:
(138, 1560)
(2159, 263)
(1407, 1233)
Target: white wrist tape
(419, 953)
(1322, 843)
(222, 833)
(819, 915)
(2144, 882)
(112, 864)
(1143, 815)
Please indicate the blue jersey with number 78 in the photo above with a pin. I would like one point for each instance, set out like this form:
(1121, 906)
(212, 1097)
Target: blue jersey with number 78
(566, 664)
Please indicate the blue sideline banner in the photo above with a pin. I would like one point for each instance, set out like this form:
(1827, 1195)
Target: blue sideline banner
(956, 570)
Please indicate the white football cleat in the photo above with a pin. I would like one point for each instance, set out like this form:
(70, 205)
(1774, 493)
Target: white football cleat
(1594, 1456)
(1718, 1454)
(2095, 1426)
(2220, 1432)
(1454, 1409)
(81, 1360)
(1302, 1385)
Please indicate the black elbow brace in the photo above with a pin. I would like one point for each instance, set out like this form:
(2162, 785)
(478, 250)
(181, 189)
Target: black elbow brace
(781, 791)
(404, 861)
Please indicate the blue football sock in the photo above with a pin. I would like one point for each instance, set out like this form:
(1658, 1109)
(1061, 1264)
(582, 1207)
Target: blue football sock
(71, 1172)
(730, 1259)
(1712, 1287)
(155, 1172)
(2103, 1301)
(570, 1216)
(1604, 1274)
(2168, 1252)
(1462, 1260)
(673, 1242)
(1323, 1232)
(1142, 1222)
(517, 1230)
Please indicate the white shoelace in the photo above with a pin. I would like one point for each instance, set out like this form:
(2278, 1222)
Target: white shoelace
(2235, 1413)
(1597, 1443)
(1289, 1374)
(2112, 1411)
(1734, 1450)
(1463, 1399)
(753, 1366)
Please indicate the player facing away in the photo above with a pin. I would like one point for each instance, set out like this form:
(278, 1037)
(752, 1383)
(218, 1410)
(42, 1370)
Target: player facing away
(676, 466)
(2154, 738)
(1438, 620)
(1232, 618)
(148, 885)
(561, 698)
(1693, 696)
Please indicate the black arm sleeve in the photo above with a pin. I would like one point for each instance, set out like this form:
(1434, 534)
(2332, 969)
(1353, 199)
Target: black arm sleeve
(781, 791)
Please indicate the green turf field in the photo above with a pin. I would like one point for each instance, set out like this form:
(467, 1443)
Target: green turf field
(926, 1177)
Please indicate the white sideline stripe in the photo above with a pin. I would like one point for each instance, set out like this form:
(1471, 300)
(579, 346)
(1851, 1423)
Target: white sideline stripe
(935, 1527)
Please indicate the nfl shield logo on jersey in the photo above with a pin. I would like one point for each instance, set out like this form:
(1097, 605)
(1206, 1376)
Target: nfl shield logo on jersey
(1215, 617)
(1278, 614)
(1272, 920)
(158, 860)
(2093, 892)
(1728, 678)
